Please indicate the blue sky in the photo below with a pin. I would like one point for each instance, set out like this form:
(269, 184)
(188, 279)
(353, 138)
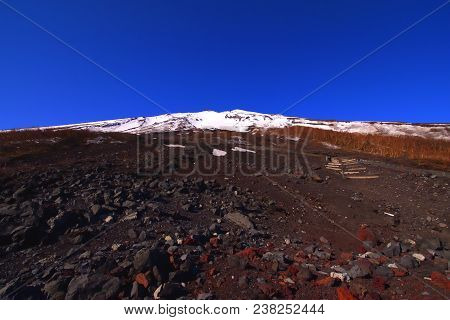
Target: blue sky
(218, 55)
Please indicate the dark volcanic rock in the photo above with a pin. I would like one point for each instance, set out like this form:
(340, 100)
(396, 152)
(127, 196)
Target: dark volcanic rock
(26, 235)
(172, 291)
(62, 221)
(56, 289)
(97, 286)
(147, 259)
(77, 288)
(109, 290)
(96, 209)
(240, 220)
(22, 193)
(393, 249)
(408, 262)
(383, 271)
(432, 243)
(305, 274)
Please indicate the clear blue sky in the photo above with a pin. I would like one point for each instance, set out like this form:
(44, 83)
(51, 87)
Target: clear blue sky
(250, 54)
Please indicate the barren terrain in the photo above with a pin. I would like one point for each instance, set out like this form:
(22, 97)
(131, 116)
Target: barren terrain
(114, 216)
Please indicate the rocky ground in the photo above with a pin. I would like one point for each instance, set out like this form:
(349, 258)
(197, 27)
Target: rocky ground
(79, 221)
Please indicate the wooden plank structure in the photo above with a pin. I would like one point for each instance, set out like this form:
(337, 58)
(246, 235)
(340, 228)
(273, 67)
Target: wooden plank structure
(349, 168)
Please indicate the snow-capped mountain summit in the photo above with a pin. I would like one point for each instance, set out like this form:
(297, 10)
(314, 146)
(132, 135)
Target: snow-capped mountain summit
(241, 121)
(235, 120)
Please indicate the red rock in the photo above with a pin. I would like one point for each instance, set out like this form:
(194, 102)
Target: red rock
(214, 241)
(300, 257)
(344, 293)
(399, 272)
(365, 234)
(327, 281)
(189, 240)
(362, 249)
(247, 253)
(204, 258)
(292, 269)
(346, 256)
(142, 280)
(382, 259)
(440, 280)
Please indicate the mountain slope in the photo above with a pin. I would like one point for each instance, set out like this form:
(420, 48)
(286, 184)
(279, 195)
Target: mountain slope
(241, 121)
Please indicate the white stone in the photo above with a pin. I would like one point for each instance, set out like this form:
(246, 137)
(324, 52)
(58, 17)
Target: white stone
(419, 256)
(156, 293)
(341, 276)
(219, 153)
